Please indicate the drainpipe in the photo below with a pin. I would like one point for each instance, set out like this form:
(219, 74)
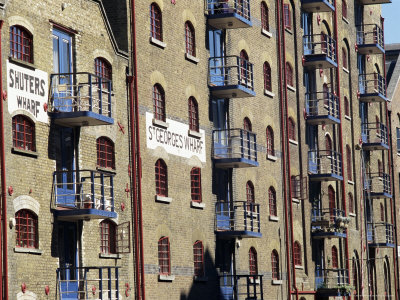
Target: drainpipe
(4, 260)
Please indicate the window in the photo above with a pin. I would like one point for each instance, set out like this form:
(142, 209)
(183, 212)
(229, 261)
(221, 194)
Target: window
(155, 22)
(297, 254)
(324, 42)
(190, 40)
(377, 125)
(161, 178)
(348, 160)
(267, 77)
(164, 259)
(295, 186)
(193, 114)
(253, 268)
(270, 141)
(108, 235)
(398, 139)
(247, 124)
(332, 202)
(351, 203)
(250, 196)
(244, 68)
(275, 265)
(344, 58)
(21, 44)
(23, 133)
(325, 90)
(335, 261)
(292, 130)
(272, 202)
(328, 144)
(346, 107)
(344, 9)
(26, 229)
(264, 17)
(159, 103)
(102, 68)
(287, 17)
(198, 259)
(195, 179)
(289, 74)
(105, 153)
(382, 213)
(380, 168)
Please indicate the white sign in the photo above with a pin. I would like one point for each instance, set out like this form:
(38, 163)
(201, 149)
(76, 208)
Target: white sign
(27, 90)
(175, 139)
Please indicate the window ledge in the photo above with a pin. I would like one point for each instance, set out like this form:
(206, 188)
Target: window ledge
(272, 157)
(291, 88)
(106, 170)
(200, 278)
(21, 62)
(295, 200)
(269, 94)
(345, 20)
(352, 215)
(276, 282)
(158, 43)
(288, 30)
(350, 182)
(195, 204)
(110, 255)
(293, 142)
(266, 33)
(162, 277)
(28, 250)
(195, 134)
(160, 123)
(192, 58)
(163, 199)
(19, 151)
(274, 218)
(347, 118)
(299, 267)
(346, 70)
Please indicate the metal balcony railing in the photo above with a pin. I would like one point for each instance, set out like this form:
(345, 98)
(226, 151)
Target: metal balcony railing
(380, 234)
(234, 144)
(332, 216)
(88, 283)
(80, 92)
(83, 189)
(372, 83)
(221, 7)
(320, 44)
(241, 287)
(239, 216)
(374, 133)
(377, 184)
(322, 104)
(332, 279)
(370, 34)
(325, 162)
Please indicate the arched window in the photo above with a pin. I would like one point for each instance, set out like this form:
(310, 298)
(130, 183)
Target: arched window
(156, 22)
(328, 144)
(348, 160)
(380, 168)
(355, 275)
(287, 16)
(164, 258)
(387, 281)
(289, 74)
(264, 16)
(244, 68)
(247, 124)
(325, 90)
(275, 265)
(344, 9)
(190, 40)
(108, 233)
(105, 153)
(198, 259)
(159, 103)
(270, 141)
(292, 129)
(324, 44)
(344, 58)
(332, 201)
(267, 77)
(377, 125)
(272, 202)
(346, 107)
(23, 130)
(297, 253)
(26, 229)
(294, 185)
(253, 268)
(195, 179)
(335, 259)
(21, 44)
(351, 203)
(102, 68)
(161, 178)
(193, 114)
(382, 213)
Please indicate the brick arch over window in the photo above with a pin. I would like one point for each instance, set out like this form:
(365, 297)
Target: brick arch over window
(335, 258)
(21, 43)
(247, 124)
(156, 22)
(108, 234)
(23, 130)
(198, 258)
(264, 16)
(272, 202)
(26, 229)
(161, 173)
(105, 153)
(193, 108)
(297, 253)
(159, 102)
(267, 77)
(164, 256)
(270, 141)
(253, 264)
(26, 202)
(190, 40)
(102, 68)
(275, 265)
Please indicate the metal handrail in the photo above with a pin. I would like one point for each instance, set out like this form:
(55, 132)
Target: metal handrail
(322, 103)
(374, 133)
(331, 2)
(380, 233)
(327, 214)
(324, 162)
(370, 34)
(317, 44)
(377, 182)
(331, 278)
(241, 287)
(237, 216)
(222, 7)
(372, 83)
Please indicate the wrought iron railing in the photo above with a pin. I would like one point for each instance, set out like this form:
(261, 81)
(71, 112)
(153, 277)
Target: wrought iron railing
(317, 44)
(377, 183)
(332, 278)
(221, 7)
(241, 287)
(374, 133)
(380, 233)
(322, 104)
(332, 215)
(372, 83)
(325, 162)
(370, 34)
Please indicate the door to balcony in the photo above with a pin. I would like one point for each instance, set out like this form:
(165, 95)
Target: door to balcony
(224, 262)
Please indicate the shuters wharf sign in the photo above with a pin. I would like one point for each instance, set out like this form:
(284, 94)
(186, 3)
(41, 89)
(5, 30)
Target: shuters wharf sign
(175, 139)
(27, 90)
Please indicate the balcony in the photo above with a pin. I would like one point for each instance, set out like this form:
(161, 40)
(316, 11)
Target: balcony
(237, 219)
(370, 39)
(380, 235)
(317, 6)
(377, 185)
(325, 165)
(372, 88)
(88, 283)
(372, 2)
(241, 287)
(230, 77)
(374, 136)
(80, 99)
(228, 14)
(83, 195)
(319, 52)
(328, 223)
(322, 108)
(332, 282)
(234, 148)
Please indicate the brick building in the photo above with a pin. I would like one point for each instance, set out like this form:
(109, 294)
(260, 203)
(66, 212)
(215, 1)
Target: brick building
(174, 149)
